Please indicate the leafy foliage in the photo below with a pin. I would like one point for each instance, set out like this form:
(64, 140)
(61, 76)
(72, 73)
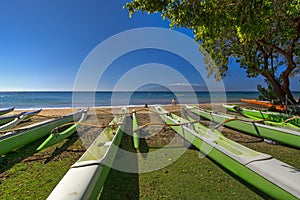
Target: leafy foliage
(262, 35)
(267, 94)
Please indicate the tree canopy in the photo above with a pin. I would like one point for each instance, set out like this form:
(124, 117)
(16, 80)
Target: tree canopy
(262, 35)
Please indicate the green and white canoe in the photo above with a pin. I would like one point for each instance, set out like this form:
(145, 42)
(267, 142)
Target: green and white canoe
(286, 136)
(269, 118)
(135, 134)
(275, 178)
(57, 137)
(86, 177)
(22, 117)
(8, 118)
(13, 140)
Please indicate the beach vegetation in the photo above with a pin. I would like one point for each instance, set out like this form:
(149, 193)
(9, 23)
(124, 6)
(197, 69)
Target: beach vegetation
(261, 36)
(267, 93)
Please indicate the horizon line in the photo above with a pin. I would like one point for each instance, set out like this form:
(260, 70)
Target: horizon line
(132, 91)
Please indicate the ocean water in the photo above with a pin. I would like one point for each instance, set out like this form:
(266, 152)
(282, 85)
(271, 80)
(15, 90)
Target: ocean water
(28, 100)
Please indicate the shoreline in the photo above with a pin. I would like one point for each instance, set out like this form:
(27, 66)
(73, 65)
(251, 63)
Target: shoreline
(128, 106)
(61, 111)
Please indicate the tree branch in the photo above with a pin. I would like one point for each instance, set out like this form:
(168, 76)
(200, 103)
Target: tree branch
(266, 57)
(278, 49)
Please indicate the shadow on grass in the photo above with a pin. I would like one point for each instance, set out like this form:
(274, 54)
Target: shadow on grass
(144, 147)
(70, 141)
(16, 156)
(120, 184)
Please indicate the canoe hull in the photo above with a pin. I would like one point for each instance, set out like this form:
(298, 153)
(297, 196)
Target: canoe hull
(16, 140)
(248, 171)
(23, 117)
(57, 137)
(135, 135)
(285, 136)
(87, 176)
(272, 116)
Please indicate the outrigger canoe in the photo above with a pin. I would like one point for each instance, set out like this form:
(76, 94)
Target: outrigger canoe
(56, 137)
(8, 118)
(17, 139)
(271, 118)
(285, 136)
(86, 177)
(275, 178)
(6, 110)
(268, 104)
(135, 135)
(16, 119)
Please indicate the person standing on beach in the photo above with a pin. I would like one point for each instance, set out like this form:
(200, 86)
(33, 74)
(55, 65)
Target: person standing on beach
(174, 102)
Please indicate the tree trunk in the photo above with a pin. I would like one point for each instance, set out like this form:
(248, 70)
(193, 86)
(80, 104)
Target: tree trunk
(287, 91)
(281, 91)
(286, 80)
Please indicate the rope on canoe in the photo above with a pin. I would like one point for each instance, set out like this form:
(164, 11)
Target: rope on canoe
(233, 119)
(55, 130)
(163, 124)
(292, 118)
(118, 124)
(26, 128)
(224, 122)
(48, 117)
(128, 113)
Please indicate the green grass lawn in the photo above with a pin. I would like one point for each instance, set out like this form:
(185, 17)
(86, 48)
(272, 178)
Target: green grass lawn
(189, 177)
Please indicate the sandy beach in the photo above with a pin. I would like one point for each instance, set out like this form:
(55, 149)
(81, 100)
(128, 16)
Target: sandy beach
(101, 116)
(156, 136)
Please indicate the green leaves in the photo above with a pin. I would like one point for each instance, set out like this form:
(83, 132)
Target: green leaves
(256, 32)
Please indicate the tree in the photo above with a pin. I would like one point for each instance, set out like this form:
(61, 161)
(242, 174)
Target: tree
(262, 35)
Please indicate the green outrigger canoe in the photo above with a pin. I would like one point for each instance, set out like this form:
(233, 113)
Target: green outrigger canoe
(268, 117)
(275, 178)
(13, 140)
(286, 136)
(135, 135)
(16, 119)
(57, 137)
(8, 118)
(86, 177)
(271, 116)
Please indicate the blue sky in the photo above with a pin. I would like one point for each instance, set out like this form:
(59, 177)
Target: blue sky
(44, 43)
